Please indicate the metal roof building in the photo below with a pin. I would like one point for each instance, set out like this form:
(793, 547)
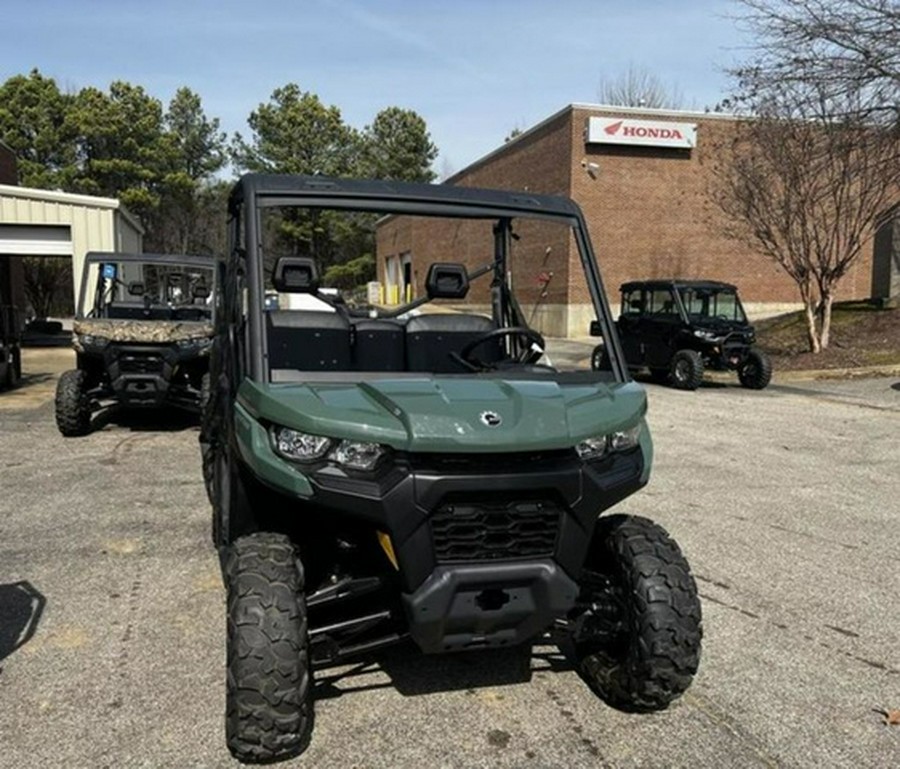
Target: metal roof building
(37, 222)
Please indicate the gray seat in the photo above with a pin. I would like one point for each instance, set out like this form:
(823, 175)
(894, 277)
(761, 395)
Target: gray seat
(308, 340)
(378, 345)
(431, 338)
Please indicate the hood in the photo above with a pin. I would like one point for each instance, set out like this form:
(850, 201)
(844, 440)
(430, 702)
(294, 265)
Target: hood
(435, 414)
(154, 331)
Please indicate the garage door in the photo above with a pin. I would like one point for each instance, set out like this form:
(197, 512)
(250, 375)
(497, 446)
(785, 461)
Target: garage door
(35, 240)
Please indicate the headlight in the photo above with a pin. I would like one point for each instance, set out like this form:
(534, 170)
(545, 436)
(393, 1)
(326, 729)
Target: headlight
(357, 456)
(625, 439)
(304, 447)
(300, 447)
(199, 342)
(599, 446)
(702, 333)
(592, 448)
(91, 342)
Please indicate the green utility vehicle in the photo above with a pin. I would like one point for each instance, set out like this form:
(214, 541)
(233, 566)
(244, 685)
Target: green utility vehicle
(142, 335)
(428, 471)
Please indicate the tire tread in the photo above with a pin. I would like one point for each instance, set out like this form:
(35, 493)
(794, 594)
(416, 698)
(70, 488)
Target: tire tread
(665, 623)
(269, 708)
(73, 405)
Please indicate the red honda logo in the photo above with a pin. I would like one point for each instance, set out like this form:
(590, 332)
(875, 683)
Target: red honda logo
(613, 128)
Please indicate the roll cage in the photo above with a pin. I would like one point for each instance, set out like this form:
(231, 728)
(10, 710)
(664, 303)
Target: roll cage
(243, 298)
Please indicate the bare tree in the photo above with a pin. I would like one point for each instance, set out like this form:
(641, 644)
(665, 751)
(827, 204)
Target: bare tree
(806, 182)
(48, 284)
(846, 48)
(637, 87)
(816, 164)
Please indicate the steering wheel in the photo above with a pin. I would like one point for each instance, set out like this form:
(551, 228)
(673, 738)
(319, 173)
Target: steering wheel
(526, 356)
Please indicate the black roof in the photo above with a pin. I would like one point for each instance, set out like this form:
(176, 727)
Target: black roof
(114, 256)
(712, 285)
(396, 196)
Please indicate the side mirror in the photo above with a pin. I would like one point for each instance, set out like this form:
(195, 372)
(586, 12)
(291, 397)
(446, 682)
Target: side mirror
(136, 288)
(596, 329)
(295, 275)
(447, 280)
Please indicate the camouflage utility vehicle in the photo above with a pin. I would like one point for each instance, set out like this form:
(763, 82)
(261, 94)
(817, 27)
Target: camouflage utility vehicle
(142, 334)
(677, 328)
(419, 466)
(10, 346)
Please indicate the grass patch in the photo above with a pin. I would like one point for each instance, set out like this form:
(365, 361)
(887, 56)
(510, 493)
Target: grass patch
(862, 334)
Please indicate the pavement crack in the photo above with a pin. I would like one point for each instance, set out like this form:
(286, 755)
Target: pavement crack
(875, 664)
(124, 447)
(718, 716)
(577, 729)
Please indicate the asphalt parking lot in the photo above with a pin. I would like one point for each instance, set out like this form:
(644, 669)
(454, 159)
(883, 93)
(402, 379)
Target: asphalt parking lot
(786, 502)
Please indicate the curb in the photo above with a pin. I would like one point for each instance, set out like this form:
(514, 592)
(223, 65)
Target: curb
(837, 373)
(808, 375)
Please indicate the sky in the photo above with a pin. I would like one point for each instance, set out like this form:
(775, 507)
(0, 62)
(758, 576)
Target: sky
(473, 70)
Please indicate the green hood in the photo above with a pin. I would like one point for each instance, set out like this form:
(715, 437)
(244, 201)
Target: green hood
(445, 414)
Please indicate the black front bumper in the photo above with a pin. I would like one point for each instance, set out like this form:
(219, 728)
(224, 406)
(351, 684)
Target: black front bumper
(730, 353)
(489, 548)
(144, 376)
(471, 606)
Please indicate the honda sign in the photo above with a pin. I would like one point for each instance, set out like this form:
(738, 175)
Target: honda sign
(646, 133)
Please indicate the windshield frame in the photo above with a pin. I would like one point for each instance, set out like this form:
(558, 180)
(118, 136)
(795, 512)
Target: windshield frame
(713, 291)
(254, 193)
(88, 287)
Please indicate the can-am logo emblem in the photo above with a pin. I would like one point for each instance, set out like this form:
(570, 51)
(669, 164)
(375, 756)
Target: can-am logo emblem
(491, 418)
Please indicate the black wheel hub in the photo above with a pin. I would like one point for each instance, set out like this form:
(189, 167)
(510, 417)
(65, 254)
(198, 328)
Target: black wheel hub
(600, 617)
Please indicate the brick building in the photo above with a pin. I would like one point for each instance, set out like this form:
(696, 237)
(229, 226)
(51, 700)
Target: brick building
(643, 179)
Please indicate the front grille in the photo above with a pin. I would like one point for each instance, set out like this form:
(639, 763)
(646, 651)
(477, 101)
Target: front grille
(492, 531)
(505, 462)
(141, 363)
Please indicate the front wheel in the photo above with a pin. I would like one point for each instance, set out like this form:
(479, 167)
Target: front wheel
(756, 372)
(687, 370)
(637, 628)
(73, 404)
(269, 706)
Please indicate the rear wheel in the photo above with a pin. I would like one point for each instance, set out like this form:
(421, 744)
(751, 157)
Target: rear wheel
(600, 359)
(73, 404)
(208, 461)
(687, 370)
(637, 638)
(756, 372)
(206, 449)
(269, 706)
(13, 369)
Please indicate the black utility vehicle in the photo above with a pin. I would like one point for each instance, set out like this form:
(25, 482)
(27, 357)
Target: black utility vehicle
(429, 472)
(10, 346)
(142, 334)
(676, 328)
